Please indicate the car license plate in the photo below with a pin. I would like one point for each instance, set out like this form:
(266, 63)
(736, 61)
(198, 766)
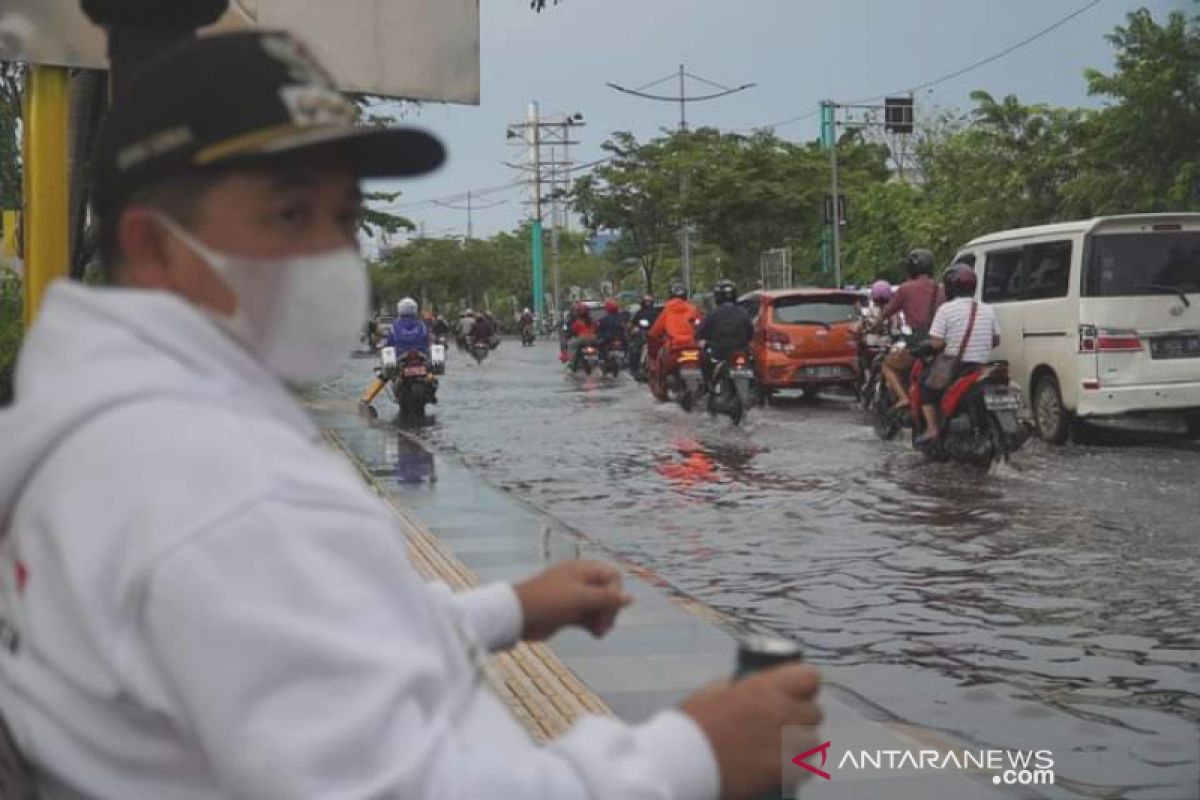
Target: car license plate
(1001, 401)
(824, 372)
(414, 372)
(1163, 347)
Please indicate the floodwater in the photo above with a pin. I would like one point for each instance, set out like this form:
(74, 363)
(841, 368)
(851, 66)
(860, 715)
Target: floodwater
(1052, 602)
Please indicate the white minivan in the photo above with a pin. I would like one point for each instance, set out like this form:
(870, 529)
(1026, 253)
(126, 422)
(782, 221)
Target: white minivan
(1099, 318)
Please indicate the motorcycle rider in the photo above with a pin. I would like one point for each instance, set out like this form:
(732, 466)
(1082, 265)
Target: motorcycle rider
(466, 323)
(526, 321)
(948, 332)
(675, 327)
(581, 331)
(917, 299)
(484, 329)
(439, 327)
(645, 312)
(726, 331)
(408, 333)
(611, 326)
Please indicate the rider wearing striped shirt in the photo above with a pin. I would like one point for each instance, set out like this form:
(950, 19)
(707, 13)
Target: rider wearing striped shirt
(949, 333)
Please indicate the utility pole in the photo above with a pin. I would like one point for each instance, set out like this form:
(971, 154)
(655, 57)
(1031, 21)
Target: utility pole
(469, 227)
(898, 119)
(534, 133)
(685, 225)
(829, 115)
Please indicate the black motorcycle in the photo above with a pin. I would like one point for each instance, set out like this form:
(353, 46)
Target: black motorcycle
(613, 355)
(480, 350)
(636, 354)
(528, 336)
(587, 358)
(410, 380)
(731, 388)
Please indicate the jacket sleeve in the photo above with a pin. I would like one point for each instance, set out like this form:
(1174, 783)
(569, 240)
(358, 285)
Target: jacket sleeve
(659, 326)
(300, 650)
(704, 332)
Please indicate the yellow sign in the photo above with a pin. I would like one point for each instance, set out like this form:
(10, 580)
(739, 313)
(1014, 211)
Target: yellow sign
(9, 222)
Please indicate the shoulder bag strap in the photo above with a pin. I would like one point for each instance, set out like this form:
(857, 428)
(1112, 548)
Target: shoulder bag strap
(962, 348)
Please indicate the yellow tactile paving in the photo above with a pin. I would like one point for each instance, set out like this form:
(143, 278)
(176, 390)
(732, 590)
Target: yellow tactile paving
(543, 694)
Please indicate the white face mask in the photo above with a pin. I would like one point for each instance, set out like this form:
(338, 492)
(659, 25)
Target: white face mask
(299, 316)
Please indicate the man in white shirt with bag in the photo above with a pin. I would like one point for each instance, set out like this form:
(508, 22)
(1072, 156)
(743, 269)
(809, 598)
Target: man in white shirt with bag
(964, 330)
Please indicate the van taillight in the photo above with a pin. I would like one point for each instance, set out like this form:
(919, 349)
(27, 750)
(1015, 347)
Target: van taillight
(777, 341)
(1108, 340)
(1165, 226)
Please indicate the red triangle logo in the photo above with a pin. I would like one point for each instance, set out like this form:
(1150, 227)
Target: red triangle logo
(802, 760)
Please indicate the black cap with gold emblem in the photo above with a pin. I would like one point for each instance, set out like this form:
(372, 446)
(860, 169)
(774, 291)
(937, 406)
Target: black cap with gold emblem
(238, 97)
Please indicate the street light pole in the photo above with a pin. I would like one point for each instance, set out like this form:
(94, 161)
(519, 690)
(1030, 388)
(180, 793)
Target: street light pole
(685, 227)
(837, 206)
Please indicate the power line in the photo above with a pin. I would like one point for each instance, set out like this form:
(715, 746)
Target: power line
(983, 62)
(958, 73)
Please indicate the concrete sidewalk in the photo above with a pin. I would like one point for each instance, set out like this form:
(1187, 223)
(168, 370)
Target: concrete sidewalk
(664, 647)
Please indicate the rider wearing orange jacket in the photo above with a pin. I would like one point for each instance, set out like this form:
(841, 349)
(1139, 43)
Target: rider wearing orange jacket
(676, 325)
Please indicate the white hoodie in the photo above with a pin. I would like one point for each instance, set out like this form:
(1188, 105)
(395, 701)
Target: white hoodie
(198, 600)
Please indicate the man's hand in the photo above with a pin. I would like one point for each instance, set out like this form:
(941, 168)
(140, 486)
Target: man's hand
(584, 593)
(744, 724)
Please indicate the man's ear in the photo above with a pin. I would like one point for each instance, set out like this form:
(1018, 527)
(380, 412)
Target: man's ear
(145, 248)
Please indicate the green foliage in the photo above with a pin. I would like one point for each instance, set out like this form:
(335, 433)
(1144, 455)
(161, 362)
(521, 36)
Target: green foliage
(1007, 164)
(11, 330)
(11, 82)
(450, 274)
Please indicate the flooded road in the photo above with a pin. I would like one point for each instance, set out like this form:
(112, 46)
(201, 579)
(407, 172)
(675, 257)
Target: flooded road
(1055, 601)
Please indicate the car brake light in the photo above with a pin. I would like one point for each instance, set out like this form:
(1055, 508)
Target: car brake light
(779, 342)
(1108, 340)
(1166, 226)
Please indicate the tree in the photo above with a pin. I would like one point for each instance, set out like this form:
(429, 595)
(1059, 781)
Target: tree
(636, 193)
(1140, 152)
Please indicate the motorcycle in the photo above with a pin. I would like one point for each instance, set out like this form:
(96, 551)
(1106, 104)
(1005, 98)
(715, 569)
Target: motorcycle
(677, 377)
(409, 379)
(978, 416)
(613, 357)
(528, 337)
(636, 354)
(437, 355)
(731, 389)
(480, 350)
(587, 358)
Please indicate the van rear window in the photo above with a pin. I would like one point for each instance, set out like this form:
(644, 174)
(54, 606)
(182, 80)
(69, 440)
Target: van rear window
(826, 310)
(1127, 264)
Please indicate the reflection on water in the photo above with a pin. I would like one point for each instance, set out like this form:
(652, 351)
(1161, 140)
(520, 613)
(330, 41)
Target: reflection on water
(1054, 601)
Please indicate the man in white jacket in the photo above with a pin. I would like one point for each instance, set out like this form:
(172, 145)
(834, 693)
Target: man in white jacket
(197, 599)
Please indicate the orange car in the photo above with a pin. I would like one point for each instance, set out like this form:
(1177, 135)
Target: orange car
(804, 338)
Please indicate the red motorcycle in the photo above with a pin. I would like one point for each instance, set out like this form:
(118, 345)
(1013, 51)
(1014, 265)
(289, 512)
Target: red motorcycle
(978, 416)
(674, 374)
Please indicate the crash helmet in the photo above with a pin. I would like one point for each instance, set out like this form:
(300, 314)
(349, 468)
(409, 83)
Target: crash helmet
(725, 291)
(919, 262)
(525, 312)
(612, 306)
(647, 301)
(407, 308)
(677, 290)
(960, 281)
(881, 292)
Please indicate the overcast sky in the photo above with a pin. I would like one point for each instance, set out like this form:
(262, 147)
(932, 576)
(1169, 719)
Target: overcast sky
(796, 51)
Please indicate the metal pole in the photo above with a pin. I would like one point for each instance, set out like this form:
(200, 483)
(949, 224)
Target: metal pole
(837, 216)
(469, 227)
(47, 192)
(554, 233)
(685, 231)
(533, 126)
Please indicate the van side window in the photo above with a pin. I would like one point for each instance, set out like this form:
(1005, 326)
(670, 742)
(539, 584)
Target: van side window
(1002, 277)
(1047, 270)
